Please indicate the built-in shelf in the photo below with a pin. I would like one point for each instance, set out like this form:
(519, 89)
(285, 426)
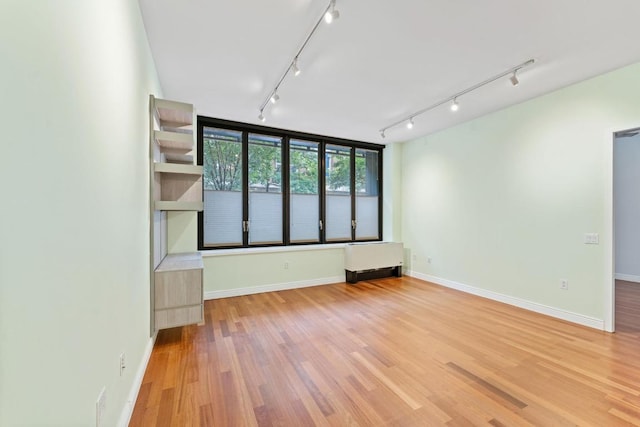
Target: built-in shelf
(178, 184)
(175, 185)
(181, 261)
(176, 142)
(178, 297)
(176, 168)
(173, 114)
(186, 159)
(177, 180)
(163, 205)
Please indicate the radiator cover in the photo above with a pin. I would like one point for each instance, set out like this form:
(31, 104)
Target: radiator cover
(366, 257)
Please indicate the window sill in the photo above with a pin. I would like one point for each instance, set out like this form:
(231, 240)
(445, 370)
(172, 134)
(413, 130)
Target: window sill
(271, 249)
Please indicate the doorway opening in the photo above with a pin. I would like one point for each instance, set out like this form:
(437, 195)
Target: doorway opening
(626, 231)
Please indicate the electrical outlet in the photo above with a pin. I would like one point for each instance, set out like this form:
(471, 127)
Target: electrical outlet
(101, 406)
(286, 265)
(591, 239)
(564, 284)
(428, 260)
(123, 363)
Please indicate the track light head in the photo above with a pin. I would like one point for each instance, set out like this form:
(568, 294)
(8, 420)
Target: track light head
(332, 14)
(455, 105)
(261, 117)
(514, 79)
(410, 123)
(274, 97)
(294, 67)
(382, 134)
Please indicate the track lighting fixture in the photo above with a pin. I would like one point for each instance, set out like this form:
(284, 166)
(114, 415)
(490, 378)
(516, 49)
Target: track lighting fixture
(332, 14)
(329, 14)
(294, 67)
(514, 79)
(454, 98)
(261, 117)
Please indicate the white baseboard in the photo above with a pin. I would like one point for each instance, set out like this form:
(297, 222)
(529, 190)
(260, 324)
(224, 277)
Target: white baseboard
(226, 293)
(580, 319)
(627, 277)
(127, 411)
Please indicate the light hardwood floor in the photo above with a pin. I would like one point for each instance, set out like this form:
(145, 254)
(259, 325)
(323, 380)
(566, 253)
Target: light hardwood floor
(628, 307)
(390, 352)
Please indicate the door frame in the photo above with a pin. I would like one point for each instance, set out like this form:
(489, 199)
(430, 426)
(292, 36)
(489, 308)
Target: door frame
(609, 249)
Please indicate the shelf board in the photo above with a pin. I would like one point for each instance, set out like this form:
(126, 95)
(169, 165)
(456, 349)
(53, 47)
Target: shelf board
(174, 141)
(181, 261)
(167, 205)
(185, 159)
(178, 168)
(173, 113)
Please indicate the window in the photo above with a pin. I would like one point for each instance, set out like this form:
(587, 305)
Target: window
(338, 193)
(367, 199)
(265, 190)
(266, 186)
(304, 191)
(222, 186)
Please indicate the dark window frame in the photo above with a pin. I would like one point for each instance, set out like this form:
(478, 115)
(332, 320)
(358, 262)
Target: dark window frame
(286, 136)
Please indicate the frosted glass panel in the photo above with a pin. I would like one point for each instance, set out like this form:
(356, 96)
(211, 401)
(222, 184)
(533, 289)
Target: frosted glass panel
(304, 217)
(222, 218)
(338, 217)
(367, 217)
(265, 217)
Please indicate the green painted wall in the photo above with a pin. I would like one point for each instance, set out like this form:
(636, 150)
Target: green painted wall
(502, 202)
(74, 275)
(392, 193)
(233, 272)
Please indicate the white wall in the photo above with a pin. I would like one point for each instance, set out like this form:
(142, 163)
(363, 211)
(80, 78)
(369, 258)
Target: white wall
(501, 204)
(74, 283)
(626, 181)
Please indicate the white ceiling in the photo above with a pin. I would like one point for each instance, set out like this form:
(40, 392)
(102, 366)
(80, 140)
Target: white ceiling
(382, 60)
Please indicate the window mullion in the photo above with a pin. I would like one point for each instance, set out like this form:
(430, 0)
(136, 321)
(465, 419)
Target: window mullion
(322, 191)
(380, 196)
(285, 161)
(352, 162)
(245, 189)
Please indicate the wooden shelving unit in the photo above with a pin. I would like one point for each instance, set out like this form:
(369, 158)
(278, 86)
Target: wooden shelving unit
(178, 181)
(175, 185)
(178, 294)
(179, 187)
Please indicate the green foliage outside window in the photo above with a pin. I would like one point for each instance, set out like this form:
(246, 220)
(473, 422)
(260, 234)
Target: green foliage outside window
(264, 167)
(222, 165)
(304, 172)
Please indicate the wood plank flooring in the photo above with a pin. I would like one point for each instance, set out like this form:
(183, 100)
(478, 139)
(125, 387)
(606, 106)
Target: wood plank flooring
(389, 352)
(627, 307)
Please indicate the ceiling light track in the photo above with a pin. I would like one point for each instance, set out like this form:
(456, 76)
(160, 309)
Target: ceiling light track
(329, 14)
(454, 98)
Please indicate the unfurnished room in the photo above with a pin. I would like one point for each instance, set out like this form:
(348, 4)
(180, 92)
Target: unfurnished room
(320, 213)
